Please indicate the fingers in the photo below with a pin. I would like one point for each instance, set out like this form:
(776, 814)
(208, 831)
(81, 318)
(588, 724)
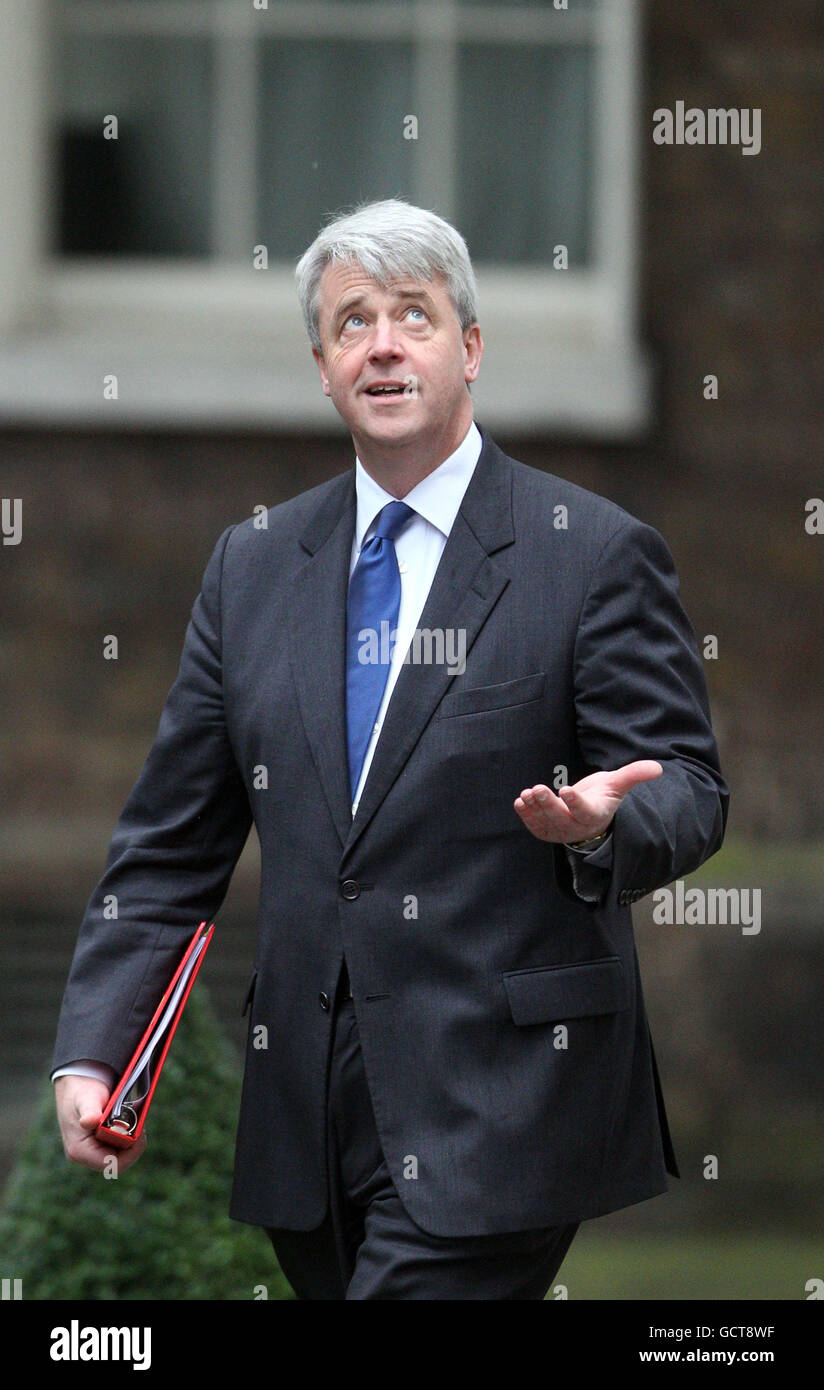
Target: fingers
(126, 1157)
(623, 779)
(80, 1105)
(82, 1148)
(90, 1153)
(89, 1118)
(540, 801)
(544, 814)
(590, 812)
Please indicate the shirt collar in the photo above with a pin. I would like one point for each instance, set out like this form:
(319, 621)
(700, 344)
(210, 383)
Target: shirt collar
(436, 497)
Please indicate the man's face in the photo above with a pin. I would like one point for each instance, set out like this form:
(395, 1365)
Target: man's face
(406, 338)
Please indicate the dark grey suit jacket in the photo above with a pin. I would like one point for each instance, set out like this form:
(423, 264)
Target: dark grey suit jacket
(502, 1021)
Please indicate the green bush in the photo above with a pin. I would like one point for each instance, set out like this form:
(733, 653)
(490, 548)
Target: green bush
(161, 1229)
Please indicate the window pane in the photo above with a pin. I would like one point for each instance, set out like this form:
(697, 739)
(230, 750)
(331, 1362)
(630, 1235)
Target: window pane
(331, 133)
(525, 167)
(147, 192)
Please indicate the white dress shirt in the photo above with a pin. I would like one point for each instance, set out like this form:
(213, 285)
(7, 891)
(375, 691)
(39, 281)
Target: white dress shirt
(419, 547)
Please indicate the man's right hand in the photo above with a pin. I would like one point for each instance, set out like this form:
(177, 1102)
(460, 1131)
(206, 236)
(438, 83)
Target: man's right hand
(80, 1105)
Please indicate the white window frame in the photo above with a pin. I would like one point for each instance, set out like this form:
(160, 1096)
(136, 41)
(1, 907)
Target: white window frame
(210, 343)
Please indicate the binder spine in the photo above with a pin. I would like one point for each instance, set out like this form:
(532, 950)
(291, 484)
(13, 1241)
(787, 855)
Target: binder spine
(118, 1138)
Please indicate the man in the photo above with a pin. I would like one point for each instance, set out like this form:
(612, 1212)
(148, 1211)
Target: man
(458, 1067)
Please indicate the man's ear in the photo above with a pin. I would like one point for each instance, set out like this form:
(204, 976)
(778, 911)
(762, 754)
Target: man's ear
(324, 380)
(473, 351)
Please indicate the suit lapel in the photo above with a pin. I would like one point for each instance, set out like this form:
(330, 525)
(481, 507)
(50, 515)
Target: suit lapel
(318, 642)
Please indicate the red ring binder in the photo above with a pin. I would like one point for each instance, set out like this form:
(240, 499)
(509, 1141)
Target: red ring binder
(122, 1121)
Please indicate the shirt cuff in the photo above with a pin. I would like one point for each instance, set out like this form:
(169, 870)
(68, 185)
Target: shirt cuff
(591, 869)
(97, 1071)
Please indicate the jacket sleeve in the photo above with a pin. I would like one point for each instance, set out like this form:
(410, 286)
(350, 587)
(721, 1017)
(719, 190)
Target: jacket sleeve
(171, 856)
(590, 869)
(640, 693)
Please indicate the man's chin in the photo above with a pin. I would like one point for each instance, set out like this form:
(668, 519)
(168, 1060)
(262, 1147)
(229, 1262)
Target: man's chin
(388, 425)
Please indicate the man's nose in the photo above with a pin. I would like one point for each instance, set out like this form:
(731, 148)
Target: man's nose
(385, 338)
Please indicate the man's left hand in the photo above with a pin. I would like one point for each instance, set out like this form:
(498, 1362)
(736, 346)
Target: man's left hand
(585, 810)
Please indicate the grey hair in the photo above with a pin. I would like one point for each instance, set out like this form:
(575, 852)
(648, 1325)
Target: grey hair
(389, 239)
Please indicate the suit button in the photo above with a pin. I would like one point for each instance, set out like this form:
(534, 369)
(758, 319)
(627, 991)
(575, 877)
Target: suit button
(324, 1000)
(350, 889)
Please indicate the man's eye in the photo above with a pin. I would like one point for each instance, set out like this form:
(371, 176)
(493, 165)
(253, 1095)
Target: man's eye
(417, 311)
(350, 321)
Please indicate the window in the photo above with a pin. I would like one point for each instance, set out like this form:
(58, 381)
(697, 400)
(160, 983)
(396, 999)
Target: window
(241, 124)
(237, 128)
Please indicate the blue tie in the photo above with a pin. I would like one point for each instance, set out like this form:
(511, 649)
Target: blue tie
(374, 598)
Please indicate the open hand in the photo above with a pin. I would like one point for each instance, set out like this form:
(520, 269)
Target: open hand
(584, 810)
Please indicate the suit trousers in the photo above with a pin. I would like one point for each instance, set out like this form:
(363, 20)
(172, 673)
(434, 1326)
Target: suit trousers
(368, 1247)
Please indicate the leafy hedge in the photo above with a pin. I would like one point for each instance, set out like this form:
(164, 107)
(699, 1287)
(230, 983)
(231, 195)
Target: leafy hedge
(160, 1230)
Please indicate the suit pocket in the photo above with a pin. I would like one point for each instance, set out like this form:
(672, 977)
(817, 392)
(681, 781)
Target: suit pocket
(549, 992)
(250, 992)
(493, 697)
